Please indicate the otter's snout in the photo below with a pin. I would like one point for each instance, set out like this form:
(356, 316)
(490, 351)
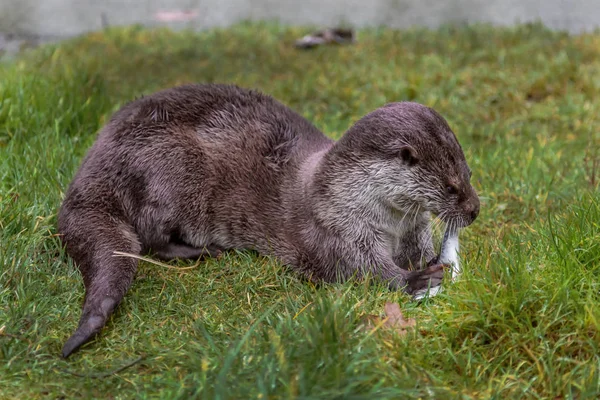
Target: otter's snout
(471, 208)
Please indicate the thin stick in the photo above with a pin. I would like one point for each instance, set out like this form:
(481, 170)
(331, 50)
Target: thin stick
(151, 261)
(13, 336)
(104, 374)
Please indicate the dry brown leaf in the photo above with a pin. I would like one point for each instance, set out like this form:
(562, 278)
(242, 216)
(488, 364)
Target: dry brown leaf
(396, 319)
(393, 319)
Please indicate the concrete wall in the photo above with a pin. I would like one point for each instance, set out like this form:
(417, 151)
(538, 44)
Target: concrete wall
(59, 18)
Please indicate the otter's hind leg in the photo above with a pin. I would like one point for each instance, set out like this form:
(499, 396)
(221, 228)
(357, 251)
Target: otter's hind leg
(91, 237)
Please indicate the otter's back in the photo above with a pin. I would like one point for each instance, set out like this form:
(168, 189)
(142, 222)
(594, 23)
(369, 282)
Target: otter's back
(217, 152)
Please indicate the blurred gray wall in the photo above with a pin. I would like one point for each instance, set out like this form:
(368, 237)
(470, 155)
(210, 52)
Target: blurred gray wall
(60, 18)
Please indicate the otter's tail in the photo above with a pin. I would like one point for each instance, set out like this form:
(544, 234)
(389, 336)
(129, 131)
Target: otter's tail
(91, 238)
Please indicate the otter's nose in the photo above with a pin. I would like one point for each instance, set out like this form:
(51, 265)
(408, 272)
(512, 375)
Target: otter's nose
(473, 209)
(474, 213)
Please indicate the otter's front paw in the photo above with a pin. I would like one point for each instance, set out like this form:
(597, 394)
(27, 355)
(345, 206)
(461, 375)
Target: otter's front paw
(430, 277)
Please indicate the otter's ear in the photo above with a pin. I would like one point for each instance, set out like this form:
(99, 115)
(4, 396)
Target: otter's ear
(409, 155)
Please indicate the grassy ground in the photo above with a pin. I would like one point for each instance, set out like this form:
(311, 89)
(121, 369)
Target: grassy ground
(523, 323)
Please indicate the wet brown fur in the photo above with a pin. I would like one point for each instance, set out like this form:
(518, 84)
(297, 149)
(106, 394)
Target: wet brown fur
(199, 169)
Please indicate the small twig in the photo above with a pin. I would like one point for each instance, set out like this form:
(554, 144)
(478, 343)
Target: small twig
(302, 310)
(151, 261)
(104, 374)
(13, 336)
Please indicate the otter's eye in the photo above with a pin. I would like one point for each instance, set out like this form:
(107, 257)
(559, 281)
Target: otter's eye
(451, 189)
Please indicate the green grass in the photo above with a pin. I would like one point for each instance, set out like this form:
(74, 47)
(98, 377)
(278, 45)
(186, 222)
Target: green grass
(524, 322)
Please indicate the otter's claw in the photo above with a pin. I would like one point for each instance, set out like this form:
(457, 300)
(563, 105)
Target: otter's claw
(429, 292)
(424, 281)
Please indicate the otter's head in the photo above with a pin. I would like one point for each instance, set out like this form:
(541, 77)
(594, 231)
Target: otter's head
(413, 159)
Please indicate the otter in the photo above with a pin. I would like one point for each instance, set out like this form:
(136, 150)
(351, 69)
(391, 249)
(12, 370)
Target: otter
(194, 170)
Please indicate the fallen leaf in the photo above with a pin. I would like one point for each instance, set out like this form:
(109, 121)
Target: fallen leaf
(393, 319)
(396, 320)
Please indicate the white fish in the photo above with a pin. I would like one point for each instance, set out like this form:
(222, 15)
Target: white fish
(449, 251)
(449, 256)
